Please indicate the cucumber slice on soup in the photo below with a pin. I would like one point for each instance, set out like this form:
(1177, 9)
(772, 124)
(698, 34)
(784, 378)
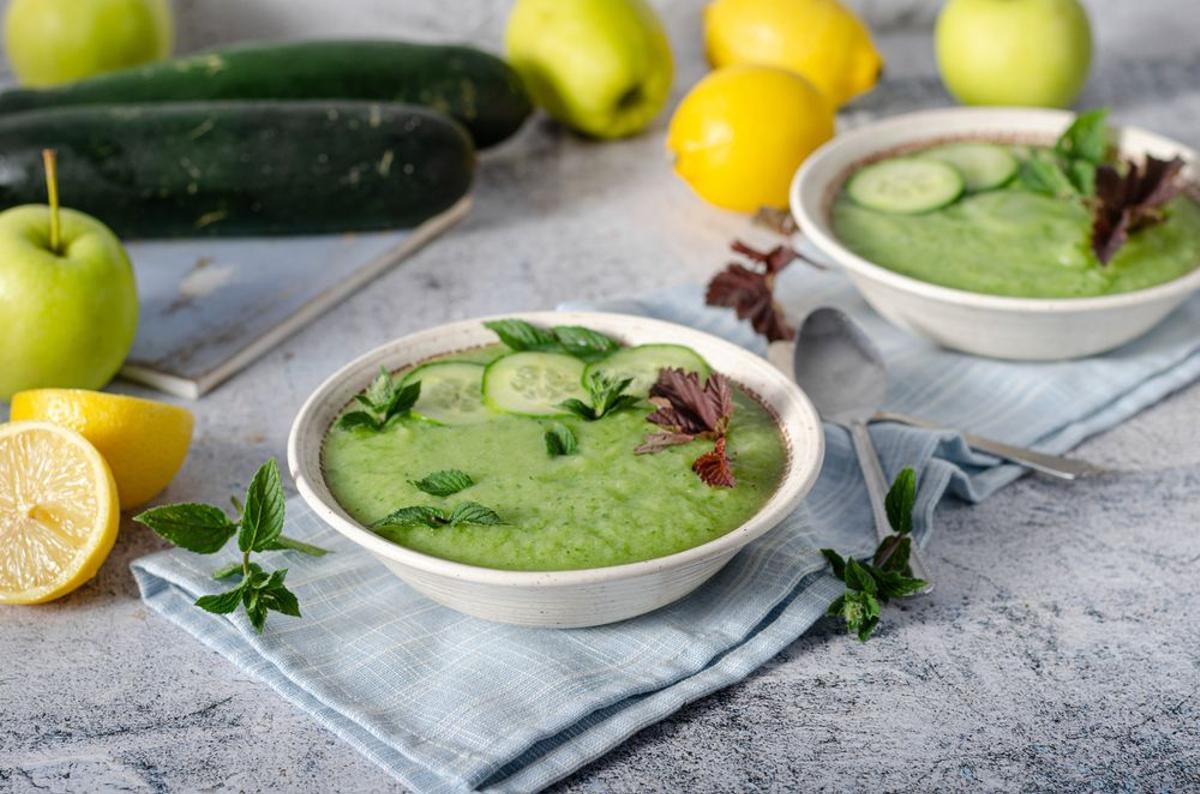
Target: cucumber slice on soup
(905, 185)
(983, 166)
(533, 384)
(642, 363)
(451, 392)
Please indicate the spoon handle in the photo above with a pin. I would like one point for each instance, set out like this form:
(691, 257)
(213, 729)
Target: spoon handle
(1053, 465)
(868, 461)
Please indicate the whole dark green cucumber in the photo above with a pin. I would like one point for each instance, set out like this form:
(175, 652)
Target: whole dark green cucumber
(478, 89)
(241, 168)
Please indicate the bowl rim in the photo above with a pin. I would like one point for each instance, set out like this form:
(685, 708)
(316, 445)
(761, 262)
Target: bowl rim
(805, 463)
(805, 193)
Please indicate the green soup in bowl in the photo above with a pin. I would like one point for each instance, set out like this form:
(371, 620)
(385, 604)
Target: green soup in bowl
(495, 418)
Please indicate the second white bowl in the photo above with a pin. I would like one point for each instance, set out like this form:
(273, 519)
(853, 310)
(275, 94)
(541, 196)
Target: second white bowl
(988, 325)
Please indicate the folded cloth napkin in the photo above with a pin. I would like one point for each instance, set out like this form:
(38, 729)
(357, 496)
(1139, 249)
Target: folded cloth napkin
(445, 702)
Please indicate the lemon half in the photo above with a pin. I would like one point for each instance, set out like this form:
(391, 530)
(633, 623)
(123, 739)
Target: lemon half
(144, 441)
(59, 512)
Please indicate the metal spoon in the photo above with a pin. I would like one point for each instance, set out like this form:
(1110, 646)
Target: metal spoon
(843, 374)
(782, 355)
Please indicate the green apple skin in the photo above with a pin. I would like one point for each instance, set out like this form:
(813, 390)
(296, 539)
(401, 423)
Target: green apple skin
(66, 320)
(1014, 52)
(58, 41)
(602, 67)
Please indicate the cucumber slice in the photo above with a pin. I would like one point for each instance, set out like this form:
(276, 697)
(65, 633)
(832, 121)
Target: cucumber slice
(905, 185)
(642, 363)
(451, 392)
(983, 166)
(533, 384)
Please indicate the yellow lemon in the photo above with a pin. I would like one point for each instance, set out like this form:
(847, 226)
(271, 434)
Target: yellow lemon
(58, 512)
(821, 39)
(740, 134)
(144, 441)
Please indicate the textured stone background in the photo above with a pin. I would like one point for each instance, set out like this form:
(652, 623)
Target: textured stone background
(1059, 651)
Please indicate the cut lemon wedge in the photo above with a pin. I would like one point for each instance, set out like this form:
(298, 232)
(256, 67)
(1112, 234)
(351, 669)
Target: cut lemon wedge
(58, 512)
(143, 441)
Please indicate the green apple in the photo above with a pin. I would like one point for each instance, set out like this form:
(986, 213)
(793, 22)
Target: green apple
(57, 41)
(1014, 52)
(602, 67)
(68, 311)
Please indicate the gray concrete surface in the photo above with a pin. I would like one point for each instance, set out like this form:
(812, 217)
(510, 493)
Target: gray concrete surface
(1059, 651)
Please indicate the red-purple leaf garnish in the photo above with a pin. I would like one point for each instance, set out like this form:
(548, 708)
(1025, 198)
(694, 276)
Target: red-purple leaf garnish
(714, 468)
(751, 292)
(687, 410)
(1129, 202)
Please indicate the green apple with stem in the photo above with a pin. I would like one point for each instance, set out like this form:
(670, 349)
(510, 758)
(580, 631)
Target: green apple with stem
(57, 41)
(1014, 52)
(602, 67)
(68, 303)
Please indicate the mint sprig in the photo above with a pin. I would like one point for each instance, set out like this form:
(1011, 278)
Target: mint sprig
(445, 482)
(1069, 169)
(205, 529)
(436, 517)
(574, 340)
(873, 582)
(560, 440)
(382, 401)
(606, 394)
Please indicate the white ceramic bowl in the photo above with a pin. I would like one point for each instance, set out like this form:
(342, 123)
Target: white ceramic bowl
(587, 597)
(988, 325)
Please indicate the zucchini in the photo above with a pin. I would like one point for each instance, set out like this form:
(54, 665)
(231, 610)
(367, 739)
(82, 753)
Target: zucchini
(478, 89)
(241, 168)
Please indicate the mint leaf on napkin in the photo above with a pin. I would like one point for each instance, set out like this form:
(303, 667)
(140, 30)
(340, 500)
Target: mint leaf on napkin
(873, 582)
(205, 529)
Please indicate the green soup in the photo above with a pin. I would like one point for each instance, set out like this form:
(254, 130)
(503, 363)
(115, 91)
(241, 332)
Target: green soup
(602, 505)
(1010, 241)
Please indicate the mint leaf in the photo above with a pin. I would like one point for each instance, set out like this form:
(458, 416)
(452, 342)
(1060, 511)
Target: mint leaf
(560, 440)
(520, 335)
(222, 603)
(573, 340)
(357, 419)
(893, 553)
(379, 393)
(1087, 138)
(284, 543)
(584, 342)
(579, 408)
(403, 400)
(901, 498)
(473, 513)
(262, 520)
(201, 528)
(1044, 174)
(1083, 176)
(446, 482)
(606, 395)
(412, 516)
(860, 610)
(280, 599)
(859, 578)
(836, 562)
(227, 571)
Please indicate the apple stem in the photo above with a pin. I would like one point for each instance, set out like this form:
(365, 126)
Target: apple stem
(52, 194)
